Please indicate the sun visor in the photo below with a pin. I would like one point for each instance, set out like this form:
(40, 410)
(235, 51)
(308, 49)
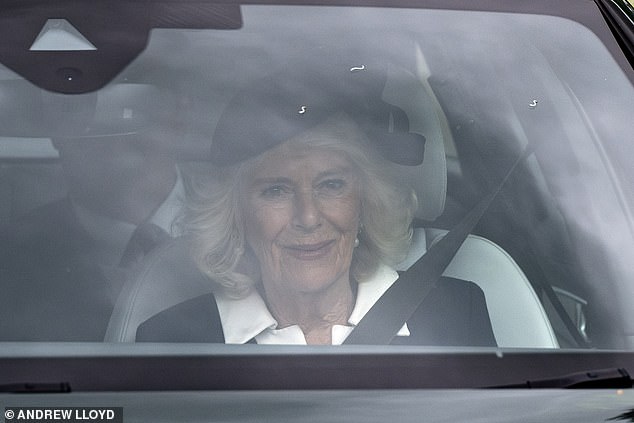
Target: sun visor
(118, 109)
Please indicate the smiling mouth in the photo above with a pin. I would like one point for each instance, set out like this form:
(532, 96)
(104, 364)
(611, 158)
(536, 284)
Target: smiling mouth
(310, 251)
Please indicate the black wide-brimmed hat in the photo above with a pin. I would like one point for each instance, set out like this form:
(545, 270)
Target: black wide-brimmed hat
(281, 106)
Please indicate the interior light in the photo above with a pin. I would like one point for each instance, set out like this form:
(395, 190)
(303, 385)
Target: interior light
(60, 35)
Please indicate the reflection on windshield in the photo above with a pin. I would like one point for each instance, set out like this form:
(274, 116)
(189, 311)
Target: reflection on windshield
(270, 184)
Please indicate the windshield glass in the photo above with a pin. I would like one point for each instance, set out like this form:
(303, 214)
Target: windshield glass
(279, 184)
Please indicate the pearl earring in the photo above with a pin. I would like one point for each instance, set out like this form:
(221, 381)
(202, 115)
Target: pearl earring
(356, 240)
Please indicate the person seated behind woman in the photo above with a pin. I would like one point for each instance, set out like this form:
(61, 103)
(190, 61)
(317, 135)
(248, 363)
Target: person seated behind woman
(300, 234)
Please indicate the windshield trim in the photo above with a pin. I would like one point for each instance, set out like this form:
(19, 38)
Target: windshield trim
(253, 367)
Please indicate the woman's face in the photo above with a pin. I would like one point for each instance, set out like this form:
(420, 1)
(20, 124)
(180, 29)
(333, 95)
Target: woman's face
(302, 217)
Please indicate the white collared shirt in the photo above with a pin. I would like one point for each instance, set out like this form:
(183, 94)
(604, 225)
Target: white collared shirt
(247, 318)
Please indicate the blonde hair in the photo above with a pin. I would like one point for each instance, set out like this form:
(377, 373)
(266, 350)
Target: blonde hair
(214, 219)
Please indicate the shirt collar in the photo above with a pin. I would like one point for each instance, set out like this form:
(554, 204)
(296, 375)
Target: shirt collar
(247, 318)
(242, 319)
(167, 212)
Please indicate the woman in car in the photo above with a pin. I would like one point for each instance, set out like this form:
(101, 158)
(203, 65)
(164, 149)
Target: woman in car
(305, 221)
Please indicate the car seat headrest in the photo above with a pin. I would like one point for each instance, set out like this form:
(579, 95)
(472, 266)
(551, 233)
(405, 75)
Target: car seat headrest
(429, 179)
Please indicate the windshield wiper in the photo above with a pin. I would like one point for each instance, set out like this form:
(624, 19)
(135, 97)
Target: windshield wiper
(592, 379)
(35, 388)
(620, 18)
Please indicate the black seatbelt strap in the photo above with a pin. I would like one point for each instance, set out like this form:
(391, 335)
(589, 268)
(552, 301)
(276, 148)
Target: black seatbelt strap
(385, 318)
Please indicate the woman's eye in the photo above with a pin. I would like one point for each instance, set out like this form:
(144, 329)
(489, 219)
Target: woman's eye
(332, 185)
(275, 191)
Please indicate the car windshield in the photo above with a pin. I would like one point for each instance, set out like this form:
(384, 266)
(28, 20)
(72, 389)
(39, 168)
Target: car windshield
(301, 175)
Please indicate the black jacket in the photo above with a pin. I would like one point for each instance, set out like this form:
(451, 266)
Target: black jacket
(453, 314)
(52, 288)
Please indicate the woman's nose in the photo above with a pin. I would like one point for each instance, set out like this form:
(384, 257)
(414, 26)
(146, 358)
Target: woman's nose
(306, 214)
